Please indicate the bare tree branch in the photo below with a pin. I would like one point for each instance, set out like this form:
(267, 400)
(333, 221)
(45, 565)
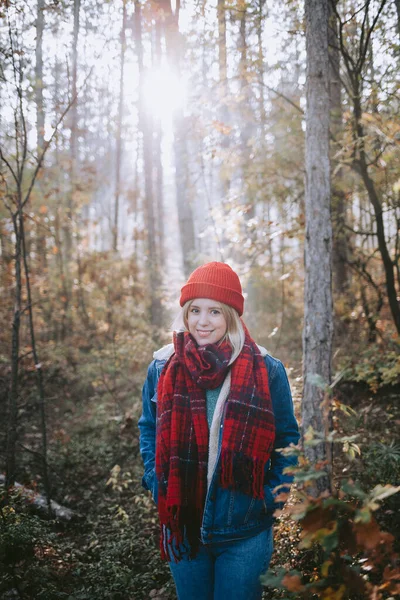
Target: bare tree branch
(6, 162)
(47, 144)
(364, 21)
(348, 59)
(296, 106)
(361, 61)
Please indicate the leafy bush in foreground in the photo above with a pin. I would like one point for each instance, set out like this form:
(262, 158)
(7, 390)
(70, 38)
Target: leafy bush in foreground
(358, 559)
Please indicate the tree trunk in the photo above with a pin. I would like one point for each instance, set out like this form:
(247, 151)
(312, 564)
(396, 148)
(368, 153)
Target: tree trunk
(340, 240)
(118, 156)
(183, 200)
(360, 162)
(146, 127)
(222, 62)
(362, 167)
(73, 133)
(40, 229)
(397, 3)
(7, 259)
(245, 116)
(223, 93)
(12, 423)
(38, 503)
(317, 333)
(159, 173)
(59, 317)
(245, 105)
(39, 75)
(263, 119)
(38, 366)
(176, 52)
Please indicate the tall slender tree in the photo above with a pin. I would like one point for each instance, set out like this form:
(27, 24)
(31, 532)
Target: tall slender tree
(223, 87)
(340, 237)
(162, 16)
(40, 228)
(222, 61)
(146, 128)
(39, 75)
(120, 117)
(262, 109)
(397, 3)
(16, 199)
(317, 334)
(176, 56)
(73, 142)
(354, 61)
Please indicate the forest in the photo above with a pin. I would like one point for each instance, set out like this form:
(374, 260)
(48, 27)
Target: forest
(140, 139)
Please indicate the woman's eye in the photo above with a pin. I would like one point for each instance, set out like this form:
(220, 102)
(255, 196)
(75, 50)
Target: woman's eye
(194, 311)
(215, 312)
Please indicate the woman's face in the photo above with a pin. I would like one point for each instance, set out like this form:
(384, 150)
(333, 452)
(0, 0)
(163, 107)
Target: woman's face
(206, 322)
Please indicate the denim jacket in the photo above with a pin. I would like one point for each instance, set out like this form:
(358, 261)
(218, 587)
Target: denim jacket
(229, 514)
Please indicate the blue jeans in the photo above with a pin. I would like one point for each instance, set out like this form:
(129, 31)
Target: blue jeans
(225, 570)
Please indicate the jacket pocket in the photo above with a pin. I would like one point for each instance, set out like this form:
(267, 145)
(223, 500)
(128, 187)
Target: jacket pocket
(269, 499)
(150, 480)
(244, 509)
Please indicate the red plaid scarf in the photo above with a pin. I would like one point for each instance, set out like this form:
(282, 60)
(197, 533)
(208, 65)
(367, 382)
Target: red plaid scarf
(182, 433)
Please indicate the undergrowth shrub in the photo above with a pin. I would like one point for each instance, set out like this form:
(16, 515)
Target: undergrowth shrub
(356, 558)
(377, 366)
(24, 540)
(383, 460)
(382, 464)
(115, 566)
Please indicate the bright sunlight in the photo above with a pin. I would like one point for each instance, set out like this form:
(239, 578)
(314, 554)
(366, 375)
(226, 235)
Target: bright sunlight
(164, 92)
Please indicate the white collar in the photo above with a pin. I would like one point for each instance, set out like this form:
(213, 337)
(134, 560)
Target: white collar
(167, 351)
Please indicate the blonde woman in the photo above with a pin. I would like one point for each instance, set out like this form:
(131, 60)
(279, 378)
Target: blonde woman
(216, 407)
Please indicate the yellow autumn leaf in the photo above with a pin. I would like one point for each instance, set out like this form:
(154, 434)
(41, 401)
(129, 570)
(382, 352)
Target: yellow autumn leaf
(331, 594)
(325, 568)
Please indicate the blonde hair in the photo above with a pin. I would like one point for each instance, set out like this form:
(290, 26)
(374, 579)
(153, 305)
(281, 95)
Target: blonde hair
(234, 328)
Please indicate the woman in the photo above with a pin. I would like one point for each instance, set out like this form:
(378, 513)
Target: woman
(216, 407)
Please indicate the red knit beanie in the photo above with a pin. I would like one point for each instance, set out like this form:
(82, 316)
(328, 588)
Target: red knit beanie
(217, 281)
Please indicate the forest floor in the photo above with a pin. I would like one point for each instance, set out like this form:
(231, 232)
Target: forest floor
(110, 551)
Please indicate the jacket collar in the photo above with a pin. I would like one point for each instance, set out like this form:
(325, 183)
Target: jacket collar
(167, 351)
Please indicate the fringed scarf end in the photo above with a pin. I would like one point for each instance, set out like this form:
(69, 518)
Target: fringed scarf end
(242, 473)
(258, 479)
(176, 539)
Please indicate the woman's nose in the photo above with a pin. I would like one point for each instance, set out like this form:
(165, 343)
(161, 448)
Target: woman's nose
(203, 318)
